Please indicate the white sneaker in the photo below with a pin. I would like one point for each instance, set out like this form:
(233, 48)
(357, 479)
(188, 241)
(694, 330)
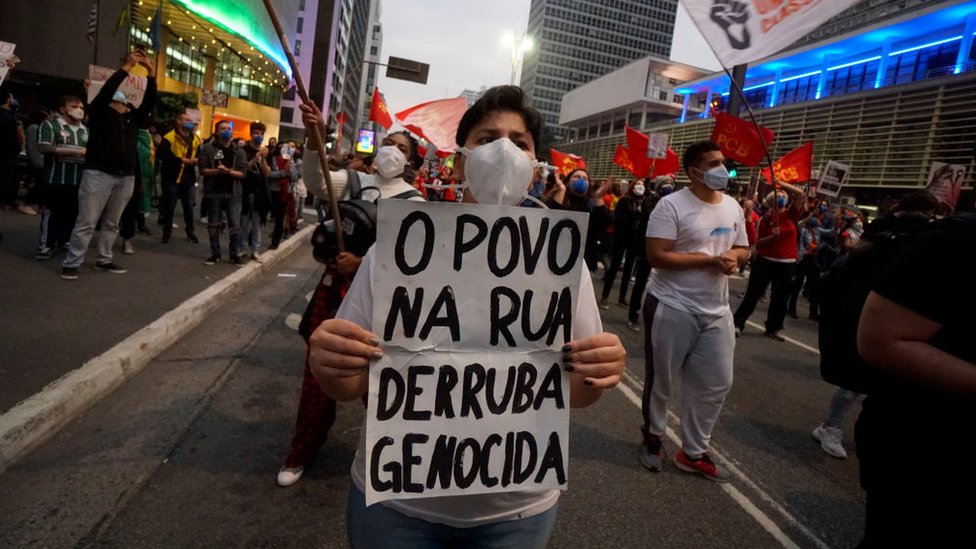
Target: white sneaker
(289, 475)
(831, 440)
(128, 248)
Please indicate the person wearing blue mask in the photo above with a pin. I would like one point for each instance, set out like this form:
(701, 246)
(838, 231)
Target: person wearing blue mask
(111, 158)
(695, 239)
(775, 262)
(223, 166)
(256, 197)
(177, 155)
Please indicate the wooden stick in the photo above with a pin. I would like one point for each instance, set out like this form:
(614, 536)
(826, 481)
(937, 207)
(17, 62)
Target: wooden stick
(315, 140)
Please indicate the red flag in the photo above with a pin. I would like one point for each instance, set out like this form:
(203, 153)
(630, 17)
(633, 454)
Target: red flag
(378, 112)
(435, 121)
(341, 118)
(739, 139)
(667, 165)
(637, 143)
(622, 159)
(794, 166)
(566, 162)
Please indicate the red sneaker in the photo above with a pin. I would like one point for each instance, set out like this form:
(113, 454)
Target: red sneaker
(703, 466)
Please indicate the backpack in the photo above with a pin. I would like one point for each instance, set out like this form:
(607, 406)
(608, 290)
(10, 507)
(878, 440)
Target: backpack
(358, 222)
(844, 290)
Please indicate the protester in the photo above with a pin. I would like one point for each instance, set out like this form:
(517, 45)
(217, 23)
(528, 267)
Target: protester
(134, 215)
(35, 162)
(281, 184)
(223, 165)
(916, 328)
(316, 410)
(686, 311)
(499, 130)
(177, 155)
(626, 242)
(256, 197)
(775, 260)
(62, 140)
(664, 186)
(806, 268)
(110, 163)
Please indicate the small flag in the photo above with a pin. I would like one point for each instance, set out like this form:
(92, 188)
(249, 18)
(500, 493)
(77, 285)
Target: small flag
(92, 22)
(120, 22)
(668, 165)
(622, 159)
(794, 166)
(566, 162)
(154, 29)
(378, 112)
(739, 139)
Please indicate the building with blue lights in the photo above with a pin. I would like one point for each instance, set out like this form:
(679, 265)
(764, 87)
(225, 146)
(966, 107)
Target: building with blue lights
(888, 99)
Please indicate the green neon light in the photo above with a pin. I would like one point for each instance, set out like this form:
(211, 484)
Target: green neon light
(248, 20)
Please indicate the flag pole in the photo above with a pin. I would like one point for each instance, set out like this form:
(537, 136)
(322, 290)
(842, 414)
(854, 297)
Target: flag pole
(315, 140)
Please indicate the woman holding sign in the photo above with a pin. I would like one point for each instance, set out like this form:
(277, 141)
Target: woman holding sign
(499, 135)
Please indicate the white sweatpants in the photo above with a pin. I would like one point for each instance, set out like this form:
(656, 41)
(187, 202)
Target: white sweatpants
(699, 350)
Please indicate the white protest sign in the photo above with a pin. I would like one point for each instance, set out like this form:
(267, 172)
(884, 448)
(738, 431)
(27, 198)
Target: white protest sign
(741, 31)
(213, 98)
(657, 146)
(832, 179)
(945, 181)
(6, 54)
(473, 304)
(134, 87)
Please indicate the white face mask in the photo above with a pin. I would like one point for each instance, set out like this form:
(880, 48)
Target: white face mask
(638, 190)
(77, 113)
(389, 162)
(498, 173)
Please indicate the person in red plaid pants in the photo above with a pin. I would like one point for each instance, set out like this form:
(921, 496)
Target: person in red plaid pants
(316, 411)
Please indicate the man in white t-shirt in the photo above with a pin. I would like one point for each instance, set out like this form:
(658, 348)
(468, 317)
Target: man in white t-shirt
(696, 238)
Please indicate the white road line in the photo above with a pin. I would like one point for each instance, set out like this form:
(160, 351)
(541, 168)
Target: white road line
(741, 499)
(799, 344)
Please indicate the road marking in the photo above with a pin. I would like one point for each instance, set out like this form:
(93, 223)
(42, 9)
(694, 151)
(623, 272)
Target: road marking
(799, 344)
(741, 499)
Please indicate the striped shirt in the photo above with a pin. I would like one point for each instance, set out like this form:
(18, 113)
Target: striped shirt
(57, 132)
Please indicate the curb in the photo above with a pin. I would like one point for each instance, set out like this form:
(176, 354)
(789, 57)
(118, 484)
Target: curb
(34, 420)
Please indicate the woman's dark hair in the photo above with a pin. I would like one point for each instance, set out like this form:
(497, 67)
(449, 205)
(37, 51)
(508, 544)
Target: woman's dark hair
(500, 98)
(415, 159)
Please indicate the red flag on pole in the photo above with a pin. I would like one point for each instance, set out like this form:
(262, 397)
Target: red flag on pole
(435, 121)
(378, 112)
(739, 139)
(794, 166)
(566, 162)
(622, 159)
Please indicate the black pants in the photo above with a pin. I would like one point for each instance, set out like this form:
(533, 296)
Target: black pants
(132, 218)
(764, 273)
(9, 182)
(62, 204)
(650, 307)
(173, 193)
(623, 246)
(806, 275)
(279, 208)
(640, 284)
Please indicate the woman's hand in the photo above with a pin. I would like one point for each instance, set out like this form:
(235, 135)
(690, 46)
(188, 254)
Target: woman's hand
(312, 117)
(339, 354)
(596, 362)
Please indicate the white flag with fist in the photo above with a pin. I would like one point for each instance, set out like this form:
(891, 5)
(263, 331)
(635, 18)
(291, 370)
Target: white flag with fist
(742, 31)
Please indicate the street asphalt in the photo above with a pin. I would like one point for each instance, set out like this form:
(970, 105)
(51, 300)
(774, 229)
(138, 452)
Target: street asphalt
(185, 454)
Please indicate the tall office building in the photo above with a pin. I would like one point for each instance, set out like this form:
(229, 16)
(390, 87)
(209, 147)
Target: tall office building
(374, 52)
(580, 40)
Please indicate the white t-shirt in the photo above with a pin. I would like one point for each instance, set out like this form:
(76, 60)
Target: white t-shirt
(315, 182)
(472, 510)
(696, 227)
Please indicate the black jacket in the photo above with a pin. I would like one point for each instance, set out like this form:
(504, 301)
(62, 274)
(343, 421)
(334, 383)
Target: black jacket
(112, 136)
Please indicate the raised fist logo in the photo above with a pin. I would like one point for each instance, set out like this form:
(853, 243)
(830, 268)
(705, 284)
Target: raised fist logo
(732, 15)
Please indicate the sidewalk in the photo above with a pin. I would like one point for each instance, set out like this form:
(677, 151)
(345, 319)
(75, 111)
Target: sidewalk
(53, 327)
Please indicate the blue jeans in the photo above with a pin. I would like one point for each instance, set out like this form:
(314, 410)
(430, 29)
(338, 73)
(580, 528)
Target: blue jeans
(378, 527)
(230, 206)
(250, 227)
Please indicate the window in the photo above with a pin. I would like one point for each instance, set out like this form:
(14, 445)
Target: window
(290, 94)
(301, 5)
(298, 47)
(300, 25)
(373, 50)
(287, 115)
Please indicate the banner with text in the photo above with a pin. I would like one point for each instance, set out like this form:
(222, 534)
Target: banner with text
(134, 87)
(742, 31)
(473, 305)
